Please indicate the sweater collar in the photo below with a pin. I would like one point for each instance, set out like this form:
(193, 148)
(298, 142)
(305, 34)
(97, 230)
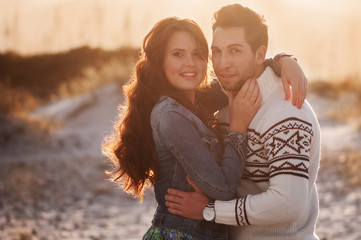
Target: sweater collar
(268, 82)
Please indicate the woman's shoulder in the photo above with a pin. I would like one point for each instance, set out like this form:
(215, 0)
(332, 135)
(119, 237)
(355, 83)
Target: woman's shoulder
(166, 105)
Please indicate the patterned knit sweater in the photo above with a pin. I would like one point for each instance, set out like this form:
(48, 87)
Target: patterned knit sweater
(277, 192)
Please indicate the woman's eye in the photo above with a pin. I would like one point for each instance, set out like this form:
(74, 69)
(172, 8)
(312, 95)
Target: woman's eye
(198, 54)
(178, 54)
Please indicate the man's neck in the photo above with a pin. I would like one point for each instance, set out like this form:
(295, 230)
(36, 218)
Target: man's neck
(259, 71)
(268, 82)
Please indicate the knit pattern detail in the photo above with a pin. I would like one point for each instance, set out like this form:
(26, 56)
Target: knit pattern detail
(241, 214)
(283, 149)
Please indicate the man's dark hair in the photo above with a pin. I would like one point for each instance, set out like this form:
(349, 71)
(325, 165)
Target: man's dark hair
(235, 15)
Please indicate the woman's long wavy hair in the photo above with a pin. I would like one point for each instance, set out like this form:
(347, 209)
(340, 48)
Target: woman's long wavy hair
(131, 147)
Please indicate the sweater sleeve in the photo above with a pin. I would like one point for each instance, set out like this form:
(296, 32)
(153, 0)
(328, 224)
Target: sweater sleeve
(287, 150)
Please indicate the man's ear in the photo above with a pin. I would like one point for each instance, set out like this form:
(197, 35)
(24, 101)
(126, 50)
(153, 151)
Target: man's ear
(261, 55)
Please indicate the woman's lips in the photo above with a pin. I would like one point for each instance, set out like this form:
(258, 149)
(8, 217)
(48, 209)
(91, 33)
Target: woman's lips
(188, 75)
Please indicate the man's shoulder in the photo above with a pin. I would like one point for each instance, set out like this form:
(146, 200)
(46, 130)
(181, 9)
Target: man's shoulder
(282, 108)
(280, 113)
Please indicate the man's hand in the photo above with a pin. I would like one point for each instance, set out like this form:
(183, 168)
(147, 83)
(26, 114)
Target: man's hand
(292, 75)
(186, 204)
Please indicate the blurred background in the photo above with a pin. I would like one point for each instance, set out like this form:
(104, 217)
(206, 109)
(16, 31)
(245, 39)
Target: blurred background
(322, 34)
(62, 67)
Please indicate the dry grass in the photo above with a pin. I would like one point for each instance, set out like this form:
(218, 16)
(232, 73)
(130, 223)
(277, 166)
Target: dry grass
(350, 167)
(345, 99)
(344, 105)
(332, 89)
(13, 99)
(28, 81)
(347, 164)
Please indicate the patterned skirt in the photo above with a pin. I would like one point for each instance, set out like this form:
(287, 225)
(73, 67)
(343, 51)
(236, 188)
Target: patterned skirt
(158, 233)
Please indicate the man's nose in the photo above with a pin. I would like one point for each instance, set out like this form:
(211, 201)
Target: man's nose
(223, 61)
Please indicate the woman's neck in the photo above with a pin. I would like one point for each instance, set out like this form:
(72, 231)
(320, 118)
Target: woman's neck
(191, 95)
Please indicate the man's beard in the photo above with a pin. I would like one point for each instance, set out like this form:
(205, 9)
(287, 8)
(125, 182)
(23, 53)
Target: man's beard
(234, 88)
(239, 84)
(250, 73)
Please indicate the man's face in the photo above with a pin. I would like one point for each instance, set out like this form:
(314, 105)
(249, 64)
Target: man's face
(232, 57)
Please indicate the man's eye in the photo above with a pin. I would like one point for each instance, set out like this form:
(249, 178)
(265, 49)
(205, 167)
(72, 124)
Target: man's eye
(234, 50)
(214, 51)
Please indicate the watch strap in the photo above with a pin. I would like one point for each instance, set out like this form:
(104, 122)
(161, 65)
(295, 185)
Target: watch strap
(209, 213)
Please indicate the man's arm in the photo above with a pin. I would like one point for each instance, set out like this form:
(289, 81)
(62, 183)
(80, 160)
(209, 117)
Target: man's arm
(276, 205)
(285, 199)
(187, 204)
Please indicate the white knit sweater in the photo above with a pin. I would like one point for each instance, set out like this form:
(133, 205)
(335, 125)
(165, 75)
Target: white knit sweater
(277, 192)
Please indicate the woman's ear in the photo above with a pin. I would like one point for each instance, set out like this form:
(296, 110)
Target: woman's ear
(261, 55)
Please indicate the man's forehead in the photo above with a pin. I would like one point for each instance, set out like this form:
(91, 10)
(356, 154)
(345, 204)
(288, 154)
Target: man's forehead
(228, 36)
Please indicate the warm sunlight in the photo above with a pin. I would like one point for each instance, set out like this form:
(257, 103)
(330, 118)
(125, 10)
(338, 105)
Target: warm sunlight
(84, 113)
(37, 26)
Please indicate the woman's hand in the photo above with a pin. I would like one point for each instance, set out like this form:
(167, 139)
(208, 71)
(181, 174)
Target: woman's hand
(292, 75)
(244, 105)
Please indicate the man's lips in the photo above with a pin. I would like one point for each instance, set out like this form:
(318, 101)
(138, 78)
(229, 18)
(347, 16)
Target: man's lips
(227, 75)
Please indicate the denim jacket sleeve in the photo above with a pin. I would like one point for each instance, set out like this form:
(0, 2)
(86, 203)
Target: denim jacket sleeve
(218, 181)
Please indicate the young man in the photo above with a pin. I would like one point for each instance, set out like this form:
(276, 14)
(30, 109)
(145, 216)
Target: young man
(277, 196)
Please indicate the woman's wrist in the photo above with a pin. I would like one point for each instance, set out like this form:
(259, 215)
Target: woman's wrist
(239, 129)
(236, 134)
(275, 64)
(281, 55)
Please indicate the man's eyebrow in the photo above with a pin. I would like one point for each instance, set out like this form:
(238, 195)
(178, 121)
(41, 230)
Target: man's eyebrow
(229, 46)
(235, 45)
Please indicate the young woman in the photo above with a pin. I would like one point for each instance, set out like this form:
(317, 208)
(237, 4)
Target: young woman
(166, 135)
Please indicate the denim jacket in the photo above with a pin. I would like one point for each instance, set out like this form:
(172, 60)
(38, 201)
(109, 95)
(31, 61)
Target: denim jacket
(185, 146)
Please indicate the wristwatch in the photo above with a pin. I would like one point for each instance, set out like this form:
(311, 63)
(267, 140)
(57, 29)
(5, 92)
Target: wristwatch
(209, 213)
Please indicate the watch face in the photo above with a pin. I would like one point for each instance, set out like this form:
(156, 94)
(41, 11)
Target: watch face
(208, 214)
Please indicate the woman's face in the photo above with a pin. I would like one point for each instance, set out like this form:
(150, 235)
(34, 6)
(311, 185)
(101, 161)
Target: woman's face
(184, 66)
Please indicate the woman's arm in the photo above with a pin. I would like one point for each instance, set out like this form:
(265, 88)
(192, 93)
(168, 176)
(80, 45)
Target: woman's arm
(180, 136)
(286, 67)
(283, 65)
(292, 75)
